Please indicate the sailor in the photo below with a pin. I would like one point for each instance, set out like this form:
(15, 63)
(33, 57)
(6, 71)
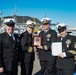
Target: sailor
(65, 60)
(27, 53)
(9, 49)
(47, 61)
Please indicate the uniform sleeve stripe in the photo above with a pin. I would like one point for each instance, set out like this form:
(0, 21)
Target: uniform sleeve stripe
(72, 51)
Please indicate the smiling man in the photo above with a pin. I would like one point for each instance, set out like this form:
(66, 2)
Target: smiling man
(47, 61)
(27, 52)
(9, 49)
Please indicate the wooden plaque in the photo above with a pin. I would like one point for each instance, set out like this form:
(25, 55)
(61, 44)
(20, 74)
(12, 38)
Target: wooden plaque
(36, 40)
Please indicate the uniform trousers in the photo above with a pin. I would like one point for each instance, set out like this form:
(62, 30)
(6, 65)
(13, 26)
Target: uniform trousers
(26, 68)
(65, 71)
(47, 67)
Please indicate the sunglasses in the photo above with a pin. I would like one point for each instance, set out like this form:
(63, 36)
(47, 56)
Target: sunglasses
(61, 30)
(45, 23)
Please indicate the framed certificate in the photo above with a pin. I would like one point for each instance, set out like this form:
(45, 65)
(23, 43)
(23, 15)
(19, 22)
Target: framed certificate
(56, 48)
(36, 40)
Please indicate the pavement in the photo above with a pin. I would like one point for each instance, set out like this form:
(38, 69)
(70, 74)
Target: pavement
(36, 68)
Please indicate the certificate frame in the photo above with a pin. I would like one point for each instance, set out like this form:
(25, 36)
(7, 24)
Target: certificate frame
(56, 48)
(36, 40)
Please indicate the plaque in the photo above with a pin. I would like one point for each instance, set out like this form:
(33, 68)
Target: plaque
(36, 40)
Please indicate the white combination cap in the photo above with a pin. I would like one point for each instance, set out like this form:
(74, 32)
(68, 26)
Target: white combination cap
(45, 20)
(8, 20)
(61, 25)
(30, 24)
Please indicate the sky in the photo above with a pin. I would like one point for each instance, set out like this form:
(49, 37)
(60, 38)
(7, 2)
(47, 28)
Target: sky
(57, 10)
